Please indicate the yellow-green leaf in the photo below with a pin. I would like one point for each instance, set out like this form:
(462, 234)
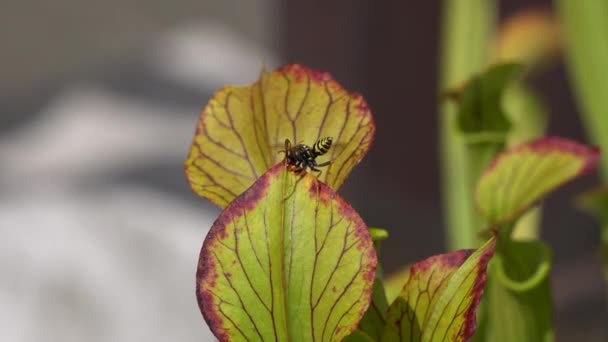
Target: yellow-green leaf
(241, 130)
(288, 260)
(524, 174)
(439, 301)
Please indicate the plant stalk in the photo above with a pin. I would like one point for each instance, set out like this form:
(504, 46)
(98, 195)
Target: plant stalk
(468, 27)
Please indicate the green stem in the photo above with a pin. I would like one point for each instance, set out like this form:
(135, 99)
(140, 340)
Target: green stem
(529, 118)
(585, 27)
(604, 247)
(468, 26)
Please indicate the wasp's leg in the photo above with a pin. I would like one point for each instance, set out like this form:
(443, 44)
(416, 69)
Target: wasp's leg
(323, 164)
(298, 168)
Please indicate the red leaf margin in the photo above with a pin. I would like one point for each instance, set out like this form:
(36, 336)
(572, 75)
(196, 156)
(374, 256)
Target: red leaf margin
(551, 144)
(206, 269)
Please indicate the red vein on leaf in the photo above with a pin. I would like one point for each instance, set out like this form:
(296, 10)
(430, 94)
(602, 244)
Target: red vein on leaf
(400, 326)
(218, 143)
(415, 310)
(339, 137)
(238, 135)
(286, 107)
(238, 256)
(219, 307)
(326, 114)
(233, 323)
(256, 123)
(213, 116)
(346, 119)
(225, 245)
(314, 268)
(334, 332)
(291, 244)
(331, 274)
(348, 285)
(224, 168)
(462, 301)
(438, 287)
(277, 129)
(304, 99)
(519, 170)
(274, 326)
(506, 178)
(219, 261)
(264, 112)
(354, 151)
(532, 171)
(213, 194)
(448, 303)
(213, 181)
(330, 228)
(344, 250)
(544, 175)
(378, 312)
(221, 300)
(255, 254)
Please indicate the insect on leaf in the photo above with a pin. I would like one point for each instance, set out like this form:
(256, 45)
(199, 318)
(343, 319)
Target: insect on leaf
(439, 301)
(523, 175)
(287, 260)
(242, 128)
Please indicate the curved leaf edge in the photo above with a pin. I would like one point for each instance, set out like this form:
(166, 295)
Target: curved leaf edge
(455, 260)
(300, 72)
(248, 200)
(542, 268)
(592, 154)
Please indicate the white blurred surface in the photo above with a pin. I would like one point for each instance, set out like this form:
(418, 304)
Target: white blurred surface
(87, 257)
(87, 130)
(200, 55)
(113, 265)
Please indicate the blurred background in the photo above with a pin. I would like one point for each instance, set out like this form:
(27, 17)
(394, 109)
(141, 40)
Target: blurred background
(98, 105)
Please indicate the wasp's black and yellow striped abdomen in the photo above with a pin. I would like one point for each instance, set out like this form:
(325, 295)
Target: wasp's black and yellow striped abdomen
(321, 146)
(302, 156)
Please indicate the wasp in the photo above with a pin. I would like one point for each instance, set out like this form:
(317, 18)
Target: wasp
(302, 156)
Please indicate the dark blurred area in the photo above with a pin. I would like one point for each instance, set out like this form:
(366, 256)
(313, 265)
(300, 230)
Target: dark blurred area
(98, 105)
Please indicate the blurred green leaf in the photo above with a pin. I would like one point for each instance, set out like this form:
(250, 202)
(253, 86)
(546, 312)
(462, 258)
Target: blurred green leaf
(480, 114)
(372, 323)
(595, 203)
(524, 174)
(467, 30)
(518, 306)
(528, 115)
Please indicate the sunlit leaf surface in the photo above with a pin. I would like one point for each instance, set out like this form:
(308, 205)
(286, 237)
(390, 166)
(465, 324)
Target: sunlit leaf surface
(521, 176)
(288, 260)
(439, 301)
(241, 130)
